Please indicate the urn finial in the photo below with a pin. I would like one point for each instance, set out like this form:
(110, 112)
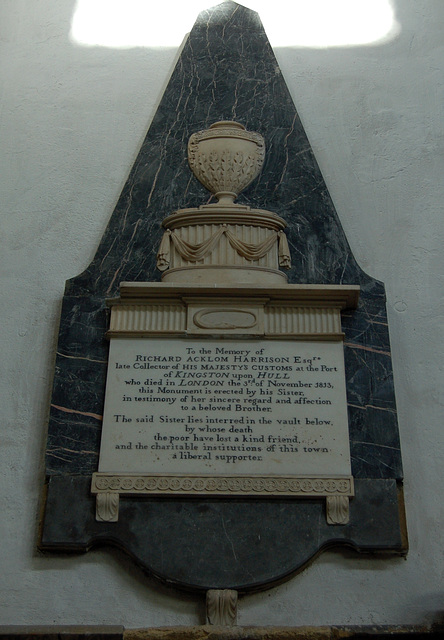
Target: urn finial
(226, 158)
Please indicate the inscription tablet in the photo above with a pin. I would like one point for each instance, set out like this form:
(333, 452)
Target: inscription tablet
(221, 407)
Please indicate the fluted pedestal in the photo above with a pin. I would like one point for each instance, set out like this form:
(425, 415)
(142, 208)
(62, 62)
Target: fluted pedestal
(220, 244)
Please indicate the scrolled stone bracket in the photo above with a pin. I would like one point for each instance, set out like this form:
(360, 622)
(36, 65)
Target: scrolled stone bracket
(109, 487)
(221, 607)
(338, 511)
(107, 506)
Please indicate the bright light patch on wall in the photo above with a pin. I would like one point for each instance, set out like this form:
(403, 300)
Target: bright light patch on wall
(300, 23)
(123, 24)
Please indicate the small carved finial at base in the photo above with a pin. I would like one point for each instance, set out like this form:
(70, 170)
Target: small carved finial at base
(222, 607)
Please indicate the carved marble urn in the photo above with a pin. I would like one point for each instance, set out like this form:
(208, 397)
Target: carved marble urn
(226, 158)
(224, 242)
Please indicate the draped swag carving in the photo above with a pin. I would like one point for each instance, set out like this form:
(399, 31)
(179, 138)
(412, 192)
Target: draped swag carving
(195, 252)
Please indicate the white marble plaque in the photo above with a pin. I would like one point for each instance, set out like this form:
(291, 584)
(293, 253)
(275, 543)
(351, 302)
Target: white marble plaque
(223, 407)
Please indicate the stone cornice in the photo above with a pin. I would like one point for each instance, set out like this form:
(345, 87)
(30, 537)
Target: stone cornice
(322, 295)
(217, 214)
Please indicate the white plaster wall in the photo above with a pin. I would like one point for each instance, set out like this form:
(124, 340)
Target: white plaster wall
(72, 119)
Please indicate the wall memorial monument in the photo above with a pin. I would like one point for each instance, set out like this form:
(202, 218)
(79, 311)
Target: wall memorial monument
(227, 423)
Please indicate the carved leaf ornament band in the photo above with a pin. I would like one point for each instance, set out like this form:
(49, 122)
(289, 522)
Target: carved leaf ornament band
(226, 170)
(196, 252)
(252, 485)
